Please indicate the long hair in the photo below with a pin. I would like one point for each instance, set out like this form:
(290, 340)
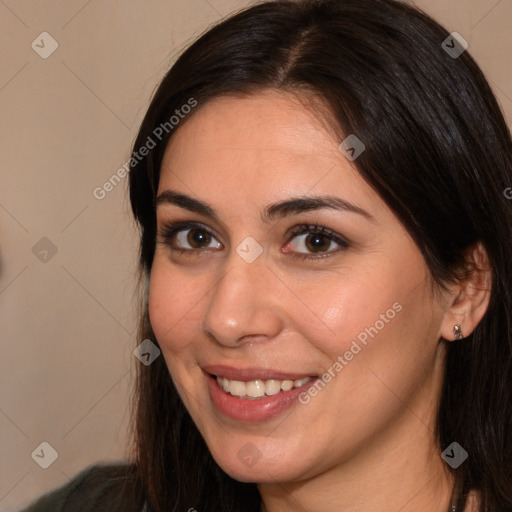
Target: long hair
(439, 153)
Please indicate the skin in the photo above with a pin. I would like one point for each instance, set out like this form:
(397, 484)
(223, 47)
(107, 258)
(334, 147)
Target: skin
(365, 441)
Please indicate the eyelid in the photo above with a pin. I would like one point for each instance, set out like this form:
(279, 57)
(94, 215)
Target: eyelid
(331, 235)
(302, 229)
(170, 229)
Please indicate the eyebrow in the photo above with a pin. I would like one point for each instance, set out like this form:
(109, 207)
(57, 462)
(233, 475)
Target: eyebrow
(292, 206)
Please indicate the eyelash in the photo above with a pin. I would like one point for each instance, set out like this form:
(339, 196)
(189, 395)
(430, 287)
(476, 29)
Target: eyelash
(168, 231)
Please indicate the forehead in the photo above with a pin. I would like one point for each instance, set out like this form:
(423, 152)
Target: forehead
(258, 148)
(269, 123)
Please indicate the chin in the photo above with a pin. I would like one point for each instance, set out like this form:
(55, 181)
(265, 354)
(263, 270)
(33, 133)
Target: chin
(261, 473)
(268, 465)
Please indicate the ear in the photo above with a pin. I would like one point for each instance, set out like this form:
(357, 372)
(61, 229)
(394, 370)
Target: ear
(469, 299)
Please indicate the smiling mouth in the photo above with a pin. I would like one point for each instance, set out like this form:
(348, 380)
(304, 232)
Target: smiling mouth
(257, 389)
(254, 394)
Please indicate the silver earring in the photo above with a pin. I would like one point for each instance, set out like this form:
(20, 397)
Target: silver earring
(457, 332)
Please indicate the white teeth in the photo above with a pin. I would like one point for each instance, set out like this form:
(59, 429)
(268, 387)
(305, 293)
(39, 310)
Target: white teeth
(237, 388)
(255, 388)
(286, 385)
(258, 388)
(300, 382)
(272, 387)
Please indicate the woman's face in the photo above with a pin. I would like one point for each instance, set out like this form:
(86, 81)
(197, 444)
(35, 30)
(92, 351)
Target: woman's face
(266, 301)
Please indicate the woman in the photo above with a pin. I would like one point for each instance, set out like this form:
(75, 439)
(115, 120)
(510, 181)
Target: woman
(326, 269)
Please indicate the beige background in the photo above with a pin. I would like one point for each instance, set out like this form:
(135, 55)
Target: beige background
(67, 122)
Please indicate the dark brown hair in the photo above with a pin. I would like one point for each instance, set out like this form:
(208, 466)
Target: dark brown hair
(438, 151)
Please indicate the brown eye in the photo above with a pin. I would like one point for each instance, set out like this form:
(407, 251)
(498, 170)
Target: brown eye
(188, 237)
(315, 242)
(195, 238)
(198, 237)
(310, 241)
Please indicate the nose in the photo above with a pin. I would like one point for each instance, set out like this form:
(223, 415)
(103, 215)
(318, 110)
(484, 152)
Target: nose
(244, 304)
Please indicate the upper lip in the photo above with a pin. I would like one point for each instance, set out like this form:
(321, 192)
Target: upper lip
(252, 373)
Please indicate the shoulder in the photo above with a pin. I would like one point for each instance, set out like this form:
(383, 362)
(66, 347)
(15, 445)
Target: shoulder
(97, 488)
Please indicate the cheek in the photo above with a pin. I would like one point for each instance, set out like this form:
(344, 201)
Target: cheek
(379, 320)
(173, 307)
(389, 352)
(350, 310)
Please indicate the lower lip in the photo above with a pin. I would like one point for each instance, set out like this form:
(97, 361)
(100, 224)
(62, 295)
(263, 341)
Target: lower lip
(253, 410)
